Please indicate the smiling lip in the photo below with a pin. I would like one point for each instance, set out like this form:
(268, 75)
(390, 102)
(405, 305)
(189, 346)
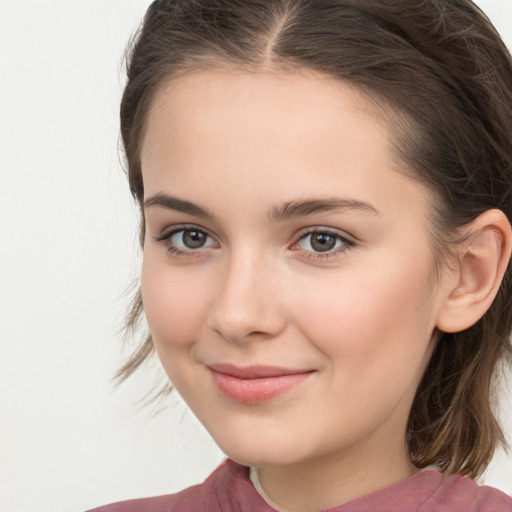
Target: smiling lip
(255, 384)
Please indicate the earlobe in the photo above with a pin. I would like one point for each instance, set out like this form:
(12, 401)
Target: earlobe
(483, 257)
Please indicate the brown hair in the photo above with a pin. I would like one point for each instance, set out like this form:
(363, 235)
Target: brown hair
(443, 72)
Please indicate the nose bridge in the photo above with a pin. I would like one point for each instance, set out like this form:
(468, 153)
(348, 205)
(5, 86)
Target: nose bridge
(246, 301)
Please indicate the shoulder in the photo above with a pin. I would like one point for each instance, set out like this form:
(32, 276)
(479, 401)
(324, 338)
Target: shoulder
(430, 491)
(433, 491)
(455, 492)
(227, 488)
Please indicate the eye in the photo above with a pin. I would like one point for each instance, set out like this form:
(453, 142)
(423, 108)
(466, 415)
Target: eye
(186, 240)
(189, 239)
(323, 242)
(319, 242)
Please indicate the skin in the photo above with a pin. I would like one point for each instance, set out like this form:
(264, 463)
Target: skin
(361, 319)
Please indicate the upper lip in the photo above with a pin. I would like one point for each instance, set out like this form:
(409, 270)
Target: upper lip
(254, 371)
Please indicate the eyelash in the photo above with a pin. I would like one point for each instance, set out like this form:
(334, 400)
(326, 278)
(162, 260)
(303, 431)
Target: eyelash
(346, 243)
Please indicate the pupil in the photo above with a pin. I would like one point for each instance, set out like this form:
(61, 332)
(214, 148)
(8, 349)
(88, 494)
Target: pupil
(194, 239)
(322, 242)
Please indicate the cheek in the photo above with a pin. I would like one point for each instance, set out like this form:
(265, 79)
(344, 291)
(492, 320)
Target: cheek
(174, 305)
(372, 330)
(369, 315)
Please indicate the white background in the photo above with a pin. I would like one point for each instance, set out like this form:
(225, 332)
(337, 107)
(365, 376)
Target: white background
(68, 251)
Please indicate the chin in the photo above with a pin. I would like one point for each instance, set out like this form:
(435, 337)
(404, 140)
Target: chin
(260, 459)
(258, 453)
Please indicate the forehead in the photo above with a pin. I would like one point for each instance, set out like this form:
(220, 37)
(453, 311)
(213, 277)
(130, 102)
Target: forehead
(267, 94)
(272, 103)
(267, 133)
(263, 107)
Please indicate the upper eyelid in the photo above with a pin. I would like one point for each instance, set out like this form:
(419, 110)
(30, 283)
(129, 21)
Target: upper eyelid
(319, 229)
(331, 231)
(171, 230)
(300, 232)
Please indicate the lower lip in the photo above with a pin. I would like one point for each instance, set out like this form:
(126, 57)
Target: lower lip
(256, 391)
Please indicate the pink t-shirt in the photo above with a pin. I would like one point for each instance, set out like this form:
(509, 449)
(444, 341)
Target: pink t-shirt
(229, 489)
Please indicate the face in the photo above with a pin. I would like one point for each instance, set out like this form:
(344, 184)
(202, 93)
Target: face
(288, 273)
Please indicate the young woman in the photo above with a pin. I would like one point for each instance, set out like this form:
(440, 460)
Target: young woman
(325, 189)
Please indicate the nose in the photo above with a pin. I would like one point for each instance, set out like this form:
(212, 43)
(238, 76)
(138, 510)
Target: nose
(247, 306)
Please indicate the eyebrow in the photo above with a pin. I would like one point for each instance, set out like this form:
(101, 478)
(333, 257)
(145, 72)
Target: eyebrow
(179, 205)
(303, 207)
(288, 210)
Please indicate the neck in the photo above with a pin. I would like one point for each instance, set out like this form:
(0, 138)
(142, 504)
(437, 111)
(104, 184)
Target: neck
(328, 481)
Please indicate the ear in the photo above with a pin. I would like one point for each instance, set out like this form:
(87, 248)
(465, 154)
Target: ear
(475, 278)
